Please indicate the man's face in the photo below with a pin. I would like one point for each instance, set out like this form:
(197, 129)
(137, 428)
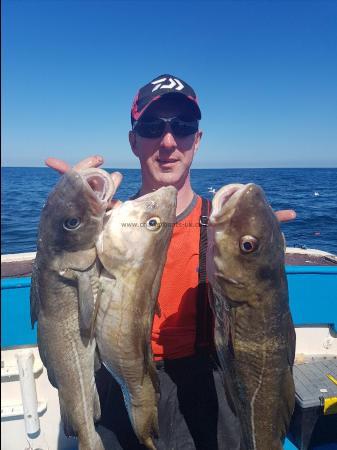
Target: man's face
(165, 160)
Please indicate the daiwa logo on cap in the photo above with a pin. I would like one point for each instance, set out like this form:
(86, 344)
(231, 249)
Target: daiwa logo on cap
(162, 85)
(172, 83)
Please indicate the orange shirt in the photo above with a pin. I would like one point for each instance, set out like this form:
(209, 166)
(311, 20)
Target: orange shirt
(174, 332)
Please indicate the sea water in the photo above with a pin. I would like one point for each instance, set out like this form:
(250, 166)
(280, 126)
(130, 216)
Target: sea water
(311, 192)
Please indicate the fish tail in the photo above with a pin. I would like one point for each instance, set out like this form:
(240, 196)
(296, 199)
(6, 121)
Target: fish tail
(146, 425)
(156, 424)
(149, 444)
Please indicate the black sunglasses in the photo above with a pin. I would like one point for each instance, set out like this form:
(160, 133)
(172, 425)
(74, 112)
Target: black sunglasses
(155, 127)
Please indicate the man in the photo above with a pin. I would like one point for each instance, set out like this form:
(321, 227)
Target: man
(193, 409)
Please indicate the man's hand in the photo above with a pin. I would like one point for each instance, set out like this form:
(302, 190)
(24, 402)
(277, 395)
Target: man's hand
(62, 167)
(93, 161)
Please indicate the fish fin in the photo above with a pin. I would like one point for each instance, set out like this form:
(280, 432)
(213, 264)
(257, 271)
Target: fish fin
(291, 341)
(80, 260)
(154, 377)
(86, 301)
(147, 361)
(222, 314)
(94, 315)
(51, 378)
(50, 372)
(158, 309)
(34, 297)
(288, 405)
(148, 358)
(97, 405)
(155, 289)
(97, 360)
(67, 426)
(225, 359)
(284, 242)
(223, 336)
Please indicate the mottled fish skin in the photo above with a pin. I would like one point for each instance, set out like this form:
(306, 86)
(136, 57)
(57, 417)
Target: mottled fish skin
(64, 286)
(254, 332)
(133, 258)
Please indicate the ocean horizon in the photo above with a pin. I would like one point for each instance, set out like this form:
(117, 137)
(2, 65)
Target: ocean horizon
(312, 192)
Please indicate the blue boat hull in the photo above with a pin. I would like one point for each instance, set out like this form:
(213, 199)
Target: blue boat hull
(312, 294)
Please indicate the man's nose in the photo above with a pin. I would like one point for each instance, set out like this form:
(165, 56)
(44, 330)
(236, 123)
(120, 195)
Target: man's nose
(168, 141)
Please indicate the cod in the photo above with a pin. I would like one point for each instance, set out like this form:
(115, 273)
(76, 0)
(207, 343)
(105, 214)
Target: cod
(64, 287)
(132, 249)
(254, 332)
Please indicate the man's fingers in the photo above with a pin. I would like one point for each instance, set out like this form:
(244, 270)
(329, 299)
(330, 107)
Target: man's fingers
(285, 215)
(62, 166)
(92, 161)
(57, 164)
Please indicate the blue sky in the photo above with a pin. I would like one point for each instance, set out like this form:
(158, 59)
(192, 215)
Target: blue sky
(265, 73)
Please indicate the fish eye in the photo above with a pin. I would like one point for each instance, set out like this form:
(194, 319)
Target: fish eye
(248, 244)
(153, 224)
(72, 223)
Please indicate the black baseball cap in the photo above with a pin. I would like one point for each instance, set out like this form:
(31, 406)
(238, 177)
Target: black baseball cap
(158, 87)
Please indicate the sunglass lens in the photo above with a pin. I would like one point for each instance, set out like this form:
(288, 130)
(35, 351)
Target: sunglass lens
(152, 129)
(155, 128)
(181, 128)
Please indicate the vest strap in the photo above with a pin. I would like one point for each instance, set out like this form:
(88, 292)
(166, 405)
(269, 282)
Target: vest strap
(204, 325)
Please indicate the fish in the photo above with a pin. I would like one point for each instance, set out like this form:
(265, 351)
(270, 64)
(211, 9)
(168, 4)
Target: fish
(132, 249)
(65, 280)
(254, 332)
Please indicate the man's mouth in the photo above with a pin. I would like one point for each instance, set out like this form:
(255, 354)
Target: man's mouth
(166, 161)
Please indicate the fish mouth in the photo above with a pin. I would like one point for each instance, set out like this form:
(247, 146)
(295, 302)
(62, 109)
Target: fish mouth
(170, 190)
(100, 183)
(225, 198)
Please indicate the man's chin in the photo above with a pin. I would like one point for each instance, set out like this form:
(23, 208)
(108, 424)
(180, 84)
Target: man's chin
(167, 181)
(168, 178)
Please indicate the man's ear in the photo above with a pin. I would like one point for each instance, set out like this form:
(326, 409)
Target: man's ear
(133, 142)
(197, 141)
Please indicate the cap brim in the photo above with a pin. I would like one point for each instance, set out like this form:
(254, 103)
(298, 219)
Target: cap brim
(190, 101)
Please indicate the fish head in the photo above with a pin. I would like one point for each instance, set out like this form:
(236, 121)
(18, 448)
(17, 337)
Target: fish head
(72, 217)
(137, 232)
(246, 251)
